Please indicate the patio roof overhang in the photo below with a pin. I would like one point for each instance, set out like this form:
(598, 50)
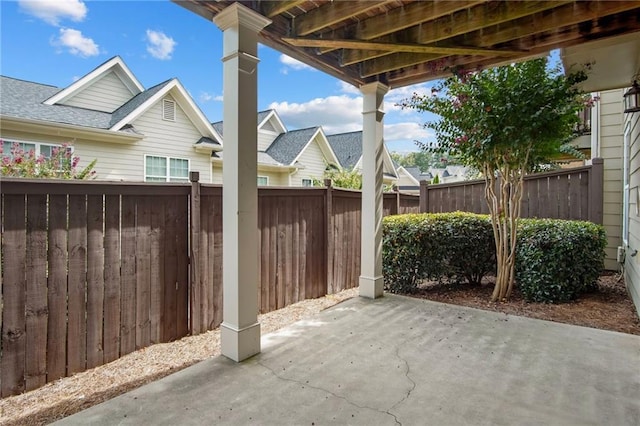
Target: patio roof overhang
(402, 42)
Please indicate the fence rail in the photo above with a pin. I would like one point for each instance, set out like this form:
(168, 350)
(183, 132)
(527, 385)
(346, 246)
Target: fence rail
(92, 271)
(574, 193)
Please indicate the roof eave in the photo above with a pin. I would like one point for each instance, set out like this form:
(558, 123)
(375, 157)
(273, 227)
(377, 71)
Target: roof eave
(67, 130)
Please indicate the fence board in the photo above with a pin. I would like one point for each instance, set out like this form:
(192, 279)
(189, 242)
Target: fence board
(217, 263)
(143, 272)
(128, 276)
(77, 290)
(36, 300)
(111, 278)
(95, 280)
(157, 259)
(182, 259)
(57, 288)
(197, 240)
(14, 241)
(170, 326)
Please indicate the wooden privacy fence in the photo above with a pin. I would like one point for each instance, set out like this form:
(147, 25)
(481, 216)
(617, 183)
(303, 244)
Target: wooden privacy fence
(574, 193)
(92, 271)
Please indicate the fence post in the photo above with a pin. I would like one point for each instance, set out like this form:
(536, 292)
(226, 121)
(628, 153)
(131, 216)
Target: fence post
(328, 214)
(396, 190)
(424, 196)
(195, 286)
(596, 191)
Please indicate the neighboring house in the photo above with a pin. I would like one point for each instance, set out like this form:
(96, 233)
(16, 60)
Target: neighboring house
(348, 149)
(136, 134)
(285, 158)
(615, 137)
(409, 178)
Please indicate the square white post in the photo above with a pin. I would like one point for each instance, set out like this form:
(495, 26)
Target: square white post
(371, 282)
(240, 330)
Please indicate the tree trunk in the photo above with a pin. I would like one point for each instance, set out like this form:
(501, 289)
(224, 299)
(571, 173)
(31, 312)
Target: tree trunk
(504, 206)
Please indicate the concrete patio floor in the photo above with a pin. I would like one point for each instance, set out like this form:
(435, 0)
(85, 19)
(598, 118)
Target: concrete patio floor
(398, 360)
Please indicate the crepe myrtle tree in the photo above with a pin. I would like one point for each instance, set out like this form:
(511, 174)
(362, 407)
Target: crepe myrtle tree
(505, 122)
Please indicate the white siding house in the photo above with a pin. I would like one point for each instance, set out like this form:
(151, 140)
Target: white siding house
(136, 134)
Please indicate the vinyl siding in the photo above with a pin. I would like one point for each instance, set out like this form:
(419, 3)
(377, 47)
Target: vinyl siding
(313, 161)
(611, 142)
(275, 178)
(404, 180)
(265, 138)
(632, 264)
(126, 161)
(106, 94)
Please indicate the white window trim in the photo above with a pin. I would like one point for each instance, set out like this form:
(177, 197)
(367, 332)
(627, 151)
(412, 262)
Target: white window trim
(263, 177)
(36, 143)
(168, 167)
(308, 180)
(166, 103)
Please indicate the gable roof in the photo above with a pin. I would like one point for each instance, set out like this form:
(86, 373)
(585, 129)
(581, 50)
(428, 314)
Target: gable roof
(263, 117)
(116, 64)
(416, 173)
(347, 147)
(288, 146)
(139, 99)
(25, 99)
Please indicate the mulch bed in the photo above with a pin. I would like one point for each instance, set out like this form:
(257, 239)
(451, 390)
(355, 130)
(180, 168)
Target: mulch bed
(609, 308)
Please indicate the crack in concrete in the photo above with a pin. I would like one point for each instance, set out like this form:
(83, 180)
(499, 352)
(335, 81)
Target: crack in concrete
(363, 407)
(406, 374)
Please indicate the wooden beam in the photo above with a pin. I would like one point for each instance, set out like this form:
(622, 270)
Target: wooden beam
(332, 13)
(564, 16)
(273, 8)
(402, 17)
(395, 61)
(397, 47)
(463, 22)
(350, 57)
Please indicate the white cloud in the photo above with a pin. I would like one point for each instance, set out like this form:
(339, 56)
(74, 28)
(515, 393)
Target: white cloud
(336, 114)
(52, 11)
(406, 131)
(293, 64)
(160, 45)
(349, 89)
(208, 97)
(76, 43)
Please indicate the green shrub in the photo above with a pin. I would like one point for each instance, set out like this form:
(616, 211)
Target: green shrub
(556, 260)
(453, 246)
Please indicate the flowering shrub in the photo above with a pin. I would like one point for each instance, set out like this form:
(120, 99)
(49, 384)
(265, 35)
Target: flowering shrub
(62, 164)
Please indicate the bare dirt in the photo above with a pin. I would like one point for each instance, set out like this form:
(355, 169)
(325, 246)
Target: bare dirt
(608, 308)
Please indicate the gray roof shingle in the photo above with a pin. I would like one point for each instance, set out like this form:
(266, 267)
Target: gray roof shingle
(24, 99)
(261, 116)
(133, 103)
(347, 147)
(287, 146)
(417, 174)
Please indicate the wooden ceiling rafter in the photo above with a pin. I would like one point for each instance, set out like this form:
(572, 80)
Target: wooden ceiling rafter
(401, 18)
(448, 27)
(400, 42)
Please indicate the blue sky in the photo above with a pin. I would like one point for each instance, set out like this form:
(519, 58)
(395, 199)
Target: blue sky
(57, 41)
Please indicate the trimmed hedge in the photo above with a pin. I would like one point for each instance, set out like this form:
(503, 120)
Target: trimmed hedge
(453, 246)
(556, 260)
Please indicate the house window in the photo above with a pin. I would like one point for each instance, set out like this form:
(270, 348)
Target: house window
(263, 180)
(38, 148)
(165, 169)
(307, 182)
(168, 110)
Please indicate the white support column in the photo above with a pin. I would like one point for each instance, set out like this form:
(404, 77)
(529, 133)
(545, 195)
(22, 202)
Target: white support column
(240, 331)
(371, 283)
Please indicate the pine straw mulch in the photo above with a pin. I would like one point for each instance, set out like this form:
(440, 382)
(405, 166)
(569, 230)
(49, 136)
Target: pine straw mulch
(72, 394)
(608, 308)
